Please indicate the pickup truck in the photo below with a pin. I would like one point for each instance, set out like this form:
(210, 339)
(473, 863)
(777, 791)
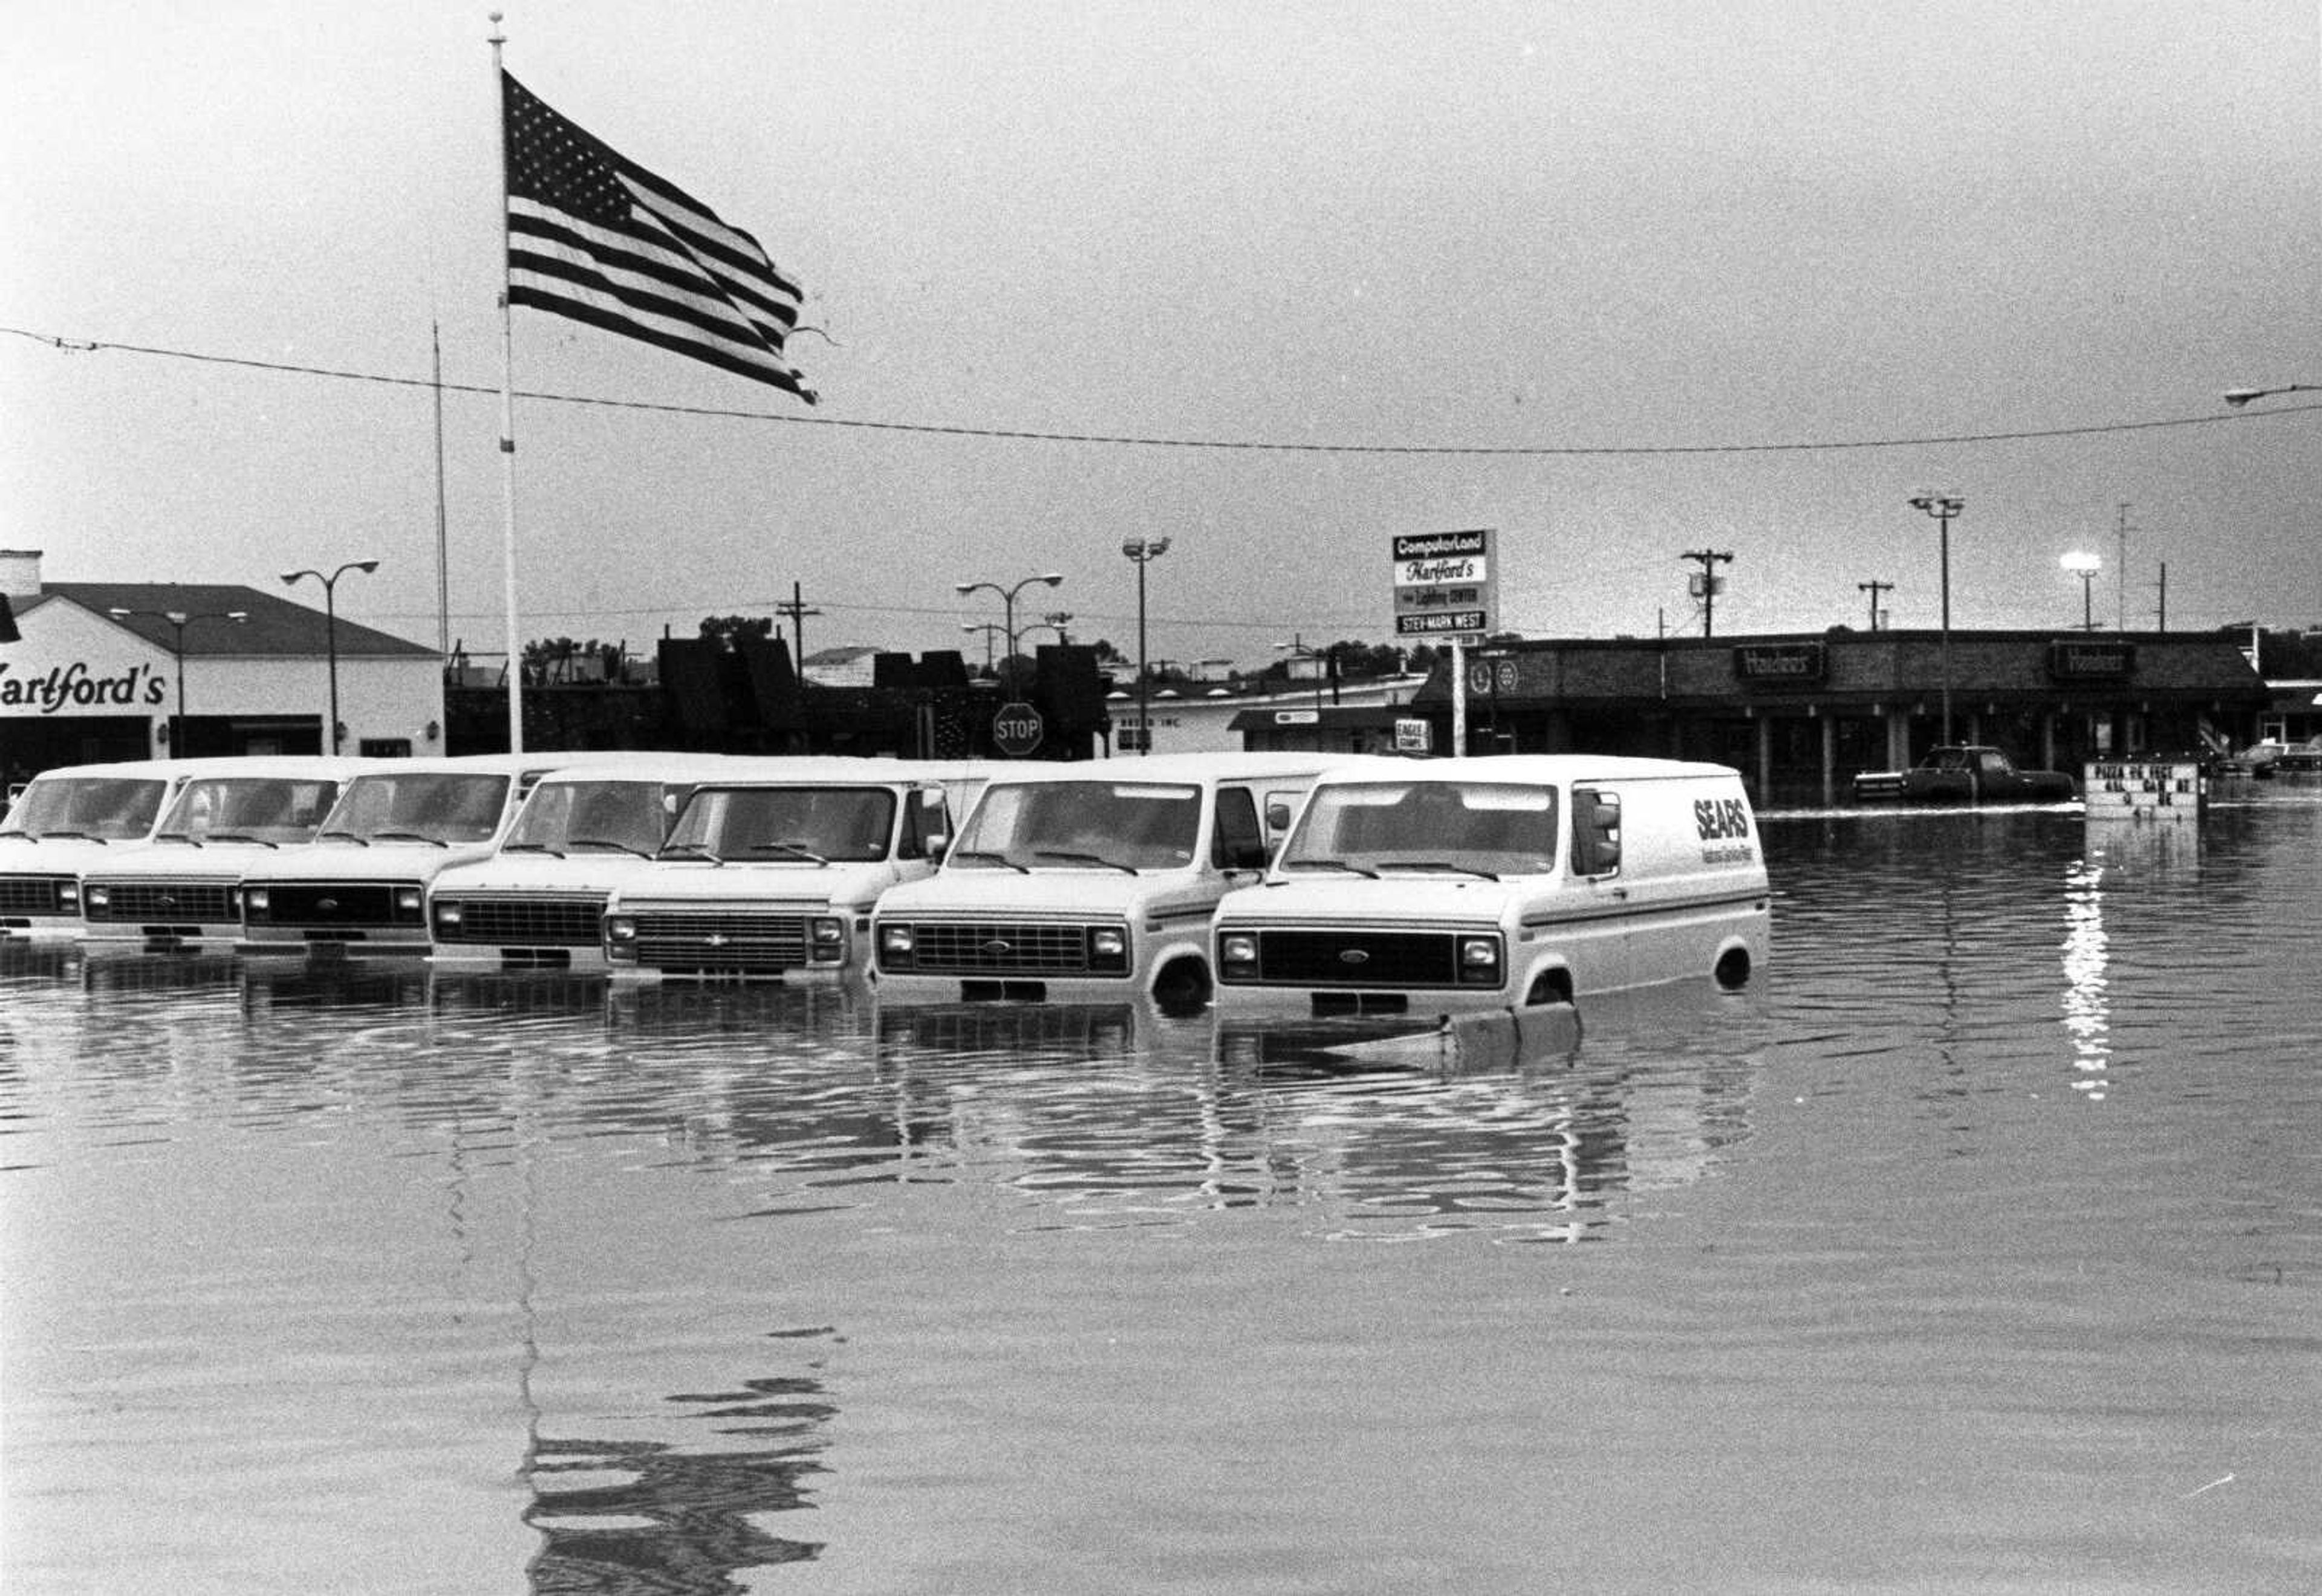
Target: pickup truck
(1967, 774)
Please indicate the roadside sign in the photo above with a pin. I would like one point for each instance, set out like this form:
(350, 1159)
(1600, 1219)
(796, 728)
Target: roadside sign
(1017, 729)
(1445, 589)
(1413, 737)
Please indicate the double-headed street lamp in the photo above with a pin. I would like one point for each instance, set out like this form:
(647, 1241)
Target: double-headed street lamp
(1943, 507)
(2085, 566)
(1008, 605)
(291, 578)
(180, 620)
(1144, 551)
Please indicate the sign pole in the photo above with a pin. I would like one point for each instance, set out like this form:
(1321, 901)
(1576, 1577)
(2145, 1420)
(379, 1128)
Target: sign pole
(1458, 699)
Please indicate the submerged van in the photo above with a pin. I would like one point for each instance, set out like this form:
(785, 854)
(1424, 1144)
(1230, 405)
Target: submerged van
(1093, 881)
(360, 887)
(1508, 882)
(771, 870)
(71, 819)
(537, 901)
(181, 890)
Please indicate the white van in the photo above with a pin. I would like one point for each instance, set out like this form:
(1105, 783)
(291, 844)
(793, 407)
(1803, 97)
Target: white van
(360, 887)
(181, 889)
(538, 900)
(771, 871)
(1506, 883)
(1093, 881)
(69, 819)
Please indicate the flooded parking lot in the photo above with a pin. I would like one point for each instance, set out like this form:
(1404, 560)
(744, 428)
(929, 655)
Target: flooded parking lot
(1978, 1246)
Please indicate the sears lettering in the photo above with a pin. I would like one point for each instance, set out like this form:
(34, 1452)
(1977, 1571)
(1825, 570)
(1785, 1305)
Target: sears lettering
(1718, 818)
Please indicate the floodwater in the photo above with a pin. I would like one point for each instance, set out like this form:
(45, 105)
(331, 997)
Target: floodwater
(1977, 1248)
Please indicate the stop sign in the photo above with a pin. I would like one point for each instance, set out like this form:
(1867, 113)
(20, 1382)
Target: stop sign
(1016, 729)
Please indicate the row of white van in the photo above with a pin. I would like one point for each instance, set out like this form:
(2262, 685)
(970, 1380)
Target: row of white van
(1278, 883)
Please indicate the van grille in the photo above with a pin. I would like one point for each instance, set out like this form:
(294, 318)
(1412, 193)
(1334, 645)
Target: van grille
(32, 895)
(138, 903)
(1356, 958)
(719, 942)
(1003, 950)
(544, 921)
(336, 905)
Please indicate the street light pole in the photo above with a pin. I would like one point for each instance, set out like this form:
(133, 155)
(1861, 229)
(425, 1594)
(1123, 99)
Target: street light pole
(1943, 507)
(330, 632)
(1008, 605)
(2084, 566)
(1144, 551)
(2239, 397)
(180, 620)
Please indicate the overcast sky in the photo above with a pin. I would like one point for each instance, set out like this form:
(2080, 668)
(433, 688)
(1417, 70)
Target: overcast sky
(1738, 276)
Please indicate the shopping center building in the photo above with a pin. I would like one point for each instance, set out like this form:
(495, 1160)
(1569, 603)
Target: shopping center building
(124, 670)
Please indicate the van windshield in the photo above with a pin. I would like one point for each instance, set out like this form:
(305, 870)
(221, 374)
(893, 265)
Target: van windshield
(1489, 828)
(609, 816)
(799, 825)
(274, 809)
(1121, 825)
(117, 809)
(436, 807)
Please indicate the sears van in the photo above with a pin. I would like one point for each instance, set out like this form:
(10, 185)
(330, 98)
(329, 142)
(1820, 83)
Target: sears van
(1509, 883)
(1093, 881)
(359, 888)
(182, 890)
(771, 871)
(537, 901)
(71, 819)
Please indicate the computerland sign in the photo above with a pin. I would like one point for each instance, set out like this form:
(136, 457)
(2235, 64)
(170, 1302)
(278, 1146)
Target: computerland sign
(76, 686)
(1445, 588)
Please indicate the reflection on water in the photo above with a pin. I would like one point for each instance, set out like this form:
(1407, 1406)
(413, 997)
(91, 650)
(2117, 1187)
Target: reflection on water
(470, 1278)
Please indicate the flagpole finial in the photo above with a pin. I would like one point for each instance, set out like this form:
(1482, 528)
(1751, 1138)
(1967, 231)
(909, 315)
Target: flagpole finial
(498, 37)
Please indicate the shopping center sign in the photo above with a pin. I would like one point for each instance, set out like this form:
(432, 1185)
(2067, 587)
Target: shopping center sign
(1445, 589)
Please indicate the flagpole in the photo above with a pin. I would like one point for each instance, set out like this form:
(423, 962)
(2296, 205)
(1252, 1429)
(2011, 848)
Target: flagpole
(507, 417)
(443, 520)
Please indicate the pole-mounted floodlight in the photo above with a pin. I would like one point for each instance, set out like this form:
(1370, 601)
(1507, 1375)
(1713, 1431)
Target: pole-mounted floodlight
(1944, 506)
(1144, 551)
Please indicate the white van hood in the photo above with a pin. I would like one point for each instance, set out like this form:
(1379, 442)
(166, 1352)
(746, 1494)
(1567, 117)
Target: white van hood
(1339, 897)
(1066, 894)
(586, 871)
(57, 857)
(181, 862)
(691, 882)
(354, 861)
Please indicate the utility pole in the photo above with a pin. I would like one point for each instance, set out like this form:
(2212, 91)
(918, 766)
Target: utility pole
(2125, 530)
(1874, 589)
(1710, 560)
(2165, 595)
(797, 612)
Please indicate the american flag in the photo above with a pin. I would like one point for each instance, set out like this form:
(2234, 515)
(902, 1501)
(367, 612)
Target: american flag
(594, 236)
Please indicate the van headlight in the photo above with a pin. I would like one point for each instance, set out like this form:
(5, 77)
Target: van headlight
(410, 905)
(1238, 955)
(449, 912)
(825, 940)
(255, 902)
(1480, 962)
(897, 945)
(620, 936)
(69, 896)
(1107, 950)
(95, 896)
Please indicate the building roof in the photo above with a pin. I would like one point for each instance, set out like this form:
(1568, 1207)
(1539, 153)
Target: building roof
(276, 626)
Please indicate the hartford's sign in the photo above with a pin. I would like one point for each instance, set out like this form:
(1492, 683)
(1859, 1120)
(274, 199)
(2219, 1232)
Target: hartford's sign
(1444, 585)
(76, 686)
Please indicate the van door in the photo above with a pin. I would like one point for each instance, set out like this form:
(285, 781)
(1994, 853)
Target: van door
(1599, 946)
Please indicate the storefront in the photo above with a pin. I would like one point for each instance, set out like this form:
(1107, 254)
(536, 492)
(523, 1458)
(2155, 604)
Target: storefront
(124, 670)
(1800, 714)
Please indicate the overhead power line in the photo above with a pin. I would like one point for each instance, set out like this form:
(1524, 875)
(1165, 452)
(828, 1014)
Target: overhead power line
(1133, 440)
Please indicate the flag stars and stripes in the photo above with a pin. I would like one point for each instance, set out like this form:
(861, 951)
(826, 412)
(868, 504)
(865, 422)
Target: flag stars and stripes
(596, 237)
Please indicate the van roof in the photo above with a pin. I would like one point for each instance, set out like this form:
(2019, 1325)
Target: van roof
(1539, 767)
(1216, 766)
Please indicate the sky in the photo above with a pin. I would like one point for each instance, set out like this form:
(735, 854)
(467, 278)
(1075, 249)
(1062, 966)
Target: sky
(1279, 282)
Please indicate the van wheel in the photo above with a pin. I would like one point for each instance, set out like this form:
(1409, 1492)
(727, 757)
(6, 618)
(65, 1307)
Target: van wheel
(1732, 970)
(1183, 989)
(1551, 986)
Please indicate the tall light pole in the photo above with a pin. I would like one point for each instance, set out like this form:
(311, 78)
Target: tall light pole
(290, 579)
(1144, 551)
(1943, 507)
(180, 620)
(2085, 566)
(1008, 606)
(2239, 397)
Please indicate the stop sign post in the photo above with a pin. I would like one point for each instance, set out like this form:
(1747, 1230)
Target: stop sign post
(1015, 730)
